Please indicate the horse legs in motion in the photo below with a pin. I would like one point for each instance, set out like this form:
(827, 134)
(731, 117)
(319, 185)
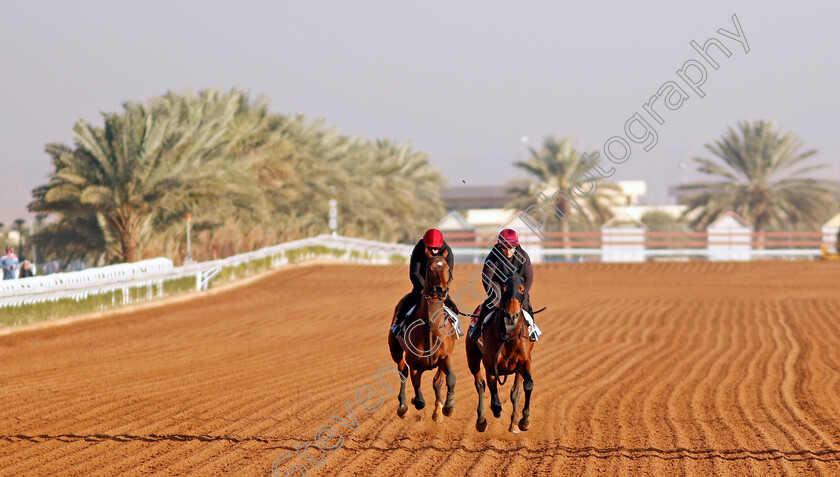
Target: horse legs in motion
(444, 372)
(428, 343)
(474, 363)
(506, 351)
(522, 380)
(528, 384)
(397, 354)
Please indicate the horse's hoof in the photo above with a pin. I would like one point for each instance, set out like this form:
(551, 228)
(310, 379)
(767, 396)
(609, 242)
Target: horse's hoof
(513, 429)
(418, 404)
(401, 411)
(524, 424)
(497, 410)
(447, 411)
(480, 425)
(437, 416)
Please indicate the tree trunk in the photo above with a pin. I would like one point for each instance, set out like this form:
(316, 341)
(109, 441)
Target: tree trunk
(759, 239)
(126, 229)
(759, 228)
(128, 245)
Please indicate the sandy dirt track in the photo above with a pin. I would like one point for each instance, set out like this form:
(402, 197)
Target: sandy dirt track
(644, 369)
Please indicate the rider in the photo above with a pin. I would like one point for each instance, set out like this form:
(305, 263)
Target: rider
(433, 241)
(506, 258)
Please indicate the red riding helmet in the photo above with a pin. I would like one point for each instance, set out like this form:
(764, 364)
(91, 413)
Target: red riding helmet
(508, 237)
(433, 238)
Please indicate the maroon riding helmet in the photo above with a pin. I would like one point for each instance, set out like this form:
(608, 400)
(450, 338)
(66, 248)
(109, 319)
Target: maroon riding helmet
(508, 238)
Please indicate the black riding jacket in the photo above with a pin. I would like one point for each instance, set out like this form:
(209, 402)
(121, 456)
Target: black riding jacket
(417, 266)
(498, 268)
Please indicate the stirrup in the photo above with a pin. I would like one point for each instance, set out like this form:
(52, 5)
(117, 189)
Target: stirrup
(397, 329)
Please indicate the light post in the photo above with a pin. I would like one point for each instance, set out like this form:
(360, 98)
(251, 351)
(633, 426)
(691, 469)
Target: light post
(334, 217)
(19, 223)
(333, 223)
(188, 258)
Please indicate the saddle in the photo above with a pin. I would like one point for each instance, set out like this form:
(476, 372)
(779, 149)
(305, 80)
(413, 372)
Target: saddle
(450, 315)
(534, 331)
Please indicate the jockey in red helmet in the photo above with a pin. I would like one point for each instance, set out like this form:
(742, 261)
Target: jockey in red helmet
(433, 241)
(506, 258)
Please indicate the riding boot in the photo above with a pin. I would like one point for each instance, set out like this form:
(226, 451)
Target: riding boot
(478, 328)
(402, 315)
(533, 336)
(475, 331)
(397, 328)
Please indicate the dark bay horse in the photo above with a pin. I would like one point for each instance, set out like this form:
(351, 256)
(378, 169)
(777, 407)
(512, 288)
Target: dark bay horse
(506, 350)
(428, 342)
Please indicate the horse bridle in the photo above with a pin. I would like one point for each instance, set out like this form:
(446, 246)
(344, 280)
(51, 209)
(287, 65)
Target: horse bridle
(515, 294)
(435, 297)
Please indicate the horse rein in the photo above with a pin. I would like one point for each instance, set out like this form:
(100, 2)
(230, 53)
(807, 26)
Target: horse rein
(502, 346)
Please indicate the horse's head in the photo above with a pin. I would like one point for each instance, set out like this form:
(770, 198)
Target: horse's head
(513, 294)
(438, 274)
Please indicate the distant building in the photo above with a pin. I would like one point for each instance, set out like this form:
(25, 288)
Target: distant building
(498, 196)
(477, 232)
(476, 197)
(631, 192)
(639, 211)
(455, 223)
(829, 231)
(623, 239)
(730, 238)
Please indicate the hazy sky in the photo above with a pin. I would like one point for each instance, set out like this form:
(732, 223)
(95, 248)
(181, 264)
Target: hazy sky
(463, 81)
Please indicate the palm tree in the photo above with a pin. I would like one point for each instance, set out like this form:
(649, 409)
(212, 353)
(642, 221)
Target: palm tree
(248, 177)
(393, 192)
(145, 168)
(552, 168)
(758, 174)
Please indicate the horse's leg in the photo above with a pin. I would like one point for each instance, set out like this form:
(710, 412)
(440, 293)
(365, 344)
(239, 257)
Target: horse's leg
(474, 363)
(515, 392)
(437, 415)
(529, 386)
(417, 400)
(402, 367)
(450, 386)
(495, 402)
(481, 420)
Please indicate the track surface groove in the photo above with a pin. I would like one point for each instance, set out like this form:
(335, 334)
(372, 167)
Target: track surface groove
(644, 369)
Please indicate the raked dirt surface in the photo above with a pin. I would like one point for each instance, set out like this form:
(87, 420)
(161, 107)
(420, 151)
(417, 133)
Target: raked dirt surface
(667, 369)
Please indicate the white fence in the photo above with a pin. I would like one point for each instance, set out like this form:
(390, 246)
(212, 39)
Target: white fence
(557, 253)
(147, 277)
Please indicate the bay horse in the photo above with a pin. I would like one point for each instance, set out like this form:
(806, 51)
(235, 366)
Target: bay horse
(428, 341)
(506, 350)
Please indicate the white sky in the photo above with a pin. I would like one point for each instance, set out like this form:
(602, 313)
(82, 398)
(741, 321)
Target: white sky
(464, 81)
